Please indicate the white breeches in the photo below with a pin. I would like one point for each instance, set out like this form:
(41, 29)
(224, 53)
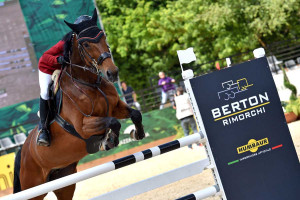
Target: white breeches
(44, 80)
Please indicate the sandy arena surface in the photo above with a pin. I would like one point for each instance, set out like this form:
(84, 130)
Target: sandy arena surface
(154, 166)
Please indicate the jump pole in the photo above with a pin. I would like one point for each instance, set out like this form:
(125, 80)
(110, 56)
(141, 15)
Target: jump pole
(104, 168)
(202, 194)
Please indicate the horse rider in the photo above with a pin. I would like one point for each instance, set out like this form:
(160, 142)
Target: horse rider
(50, 61)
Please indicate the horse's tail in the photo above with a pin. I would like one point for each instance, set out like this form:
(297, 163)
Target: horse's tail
(17, 183)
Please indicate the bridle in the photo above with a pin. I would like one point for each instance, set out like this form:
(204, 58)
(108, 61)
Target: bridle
(84, 53)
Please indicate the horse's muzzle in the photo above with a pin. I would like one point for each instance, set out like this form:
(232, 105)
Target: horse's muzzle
(112, 76)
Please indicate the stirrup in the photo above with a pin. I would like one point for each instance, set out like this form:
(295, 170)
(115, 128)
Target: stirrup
(43, 138)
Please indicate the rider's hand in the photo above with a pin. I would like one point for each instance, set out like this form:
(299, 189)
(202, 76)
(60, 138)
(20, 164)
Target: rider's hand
(61, 60)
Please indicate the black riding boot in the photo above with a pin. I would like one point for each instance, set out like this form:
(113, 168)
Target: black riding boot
(44, 134)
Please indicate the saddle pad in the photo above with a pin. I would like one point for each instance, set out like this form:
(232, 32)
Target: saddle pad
(55, 78)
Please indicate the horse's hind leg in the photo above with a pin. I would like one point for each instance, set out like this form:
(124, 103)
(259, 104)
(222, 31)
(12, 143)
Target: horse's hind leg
(65, 193)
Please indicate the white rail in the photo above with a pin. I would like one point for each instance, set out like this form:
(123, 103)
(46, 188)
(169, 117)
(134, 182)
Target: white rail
(101, 169)
(202, 194)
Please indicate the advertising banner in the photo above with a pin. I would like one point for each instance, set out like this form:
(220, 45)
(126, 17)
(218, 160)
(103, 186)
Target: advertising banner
(7, 171)
(247, 132)
(18, 118)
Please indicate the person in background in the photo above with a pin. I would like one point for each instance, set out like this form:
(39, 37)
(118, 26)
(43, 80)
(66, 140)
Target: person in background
(167, 88)
(184, 112)
(130, 95)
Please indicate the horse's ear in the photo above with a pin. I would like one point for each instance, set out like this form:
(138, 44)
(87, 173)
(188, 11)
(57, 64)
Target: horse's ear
(72, 26)
(95, 16)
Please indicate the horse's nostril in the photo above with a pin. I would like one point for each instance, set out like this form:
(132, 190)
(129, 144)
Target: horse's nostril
(109, 74)
(112, 75)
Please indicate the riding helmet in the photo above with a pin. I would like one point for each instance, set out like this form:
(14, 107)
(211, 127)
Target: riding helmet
(82, 18)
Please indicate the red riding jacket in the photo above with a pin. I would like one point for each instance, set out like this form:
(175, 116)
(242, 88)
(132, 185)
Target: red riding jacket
(48, 62)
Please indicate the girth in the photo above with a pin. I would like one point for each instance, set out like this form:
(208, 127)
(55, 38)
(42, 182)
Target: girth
(92, 143)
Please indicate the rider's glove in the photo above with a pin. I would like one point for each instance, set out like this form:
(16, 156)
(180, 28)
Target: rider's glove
(61, 60)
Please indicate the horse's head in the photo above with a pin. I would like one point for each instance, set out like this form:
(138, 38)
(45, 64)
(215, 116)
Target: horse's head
(92, 46)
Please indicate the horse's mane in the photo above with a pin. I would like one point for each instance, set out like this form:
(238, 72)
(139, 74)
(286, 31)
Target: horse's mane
(68, 45)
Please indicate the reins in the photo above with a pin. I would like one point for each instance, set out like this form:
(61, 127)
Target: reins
(85, 68)
(92, 85)
(94, 70)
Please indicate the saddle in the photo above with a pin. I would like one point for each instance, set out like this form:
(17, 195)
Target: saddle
(55, 96)
(55, 78)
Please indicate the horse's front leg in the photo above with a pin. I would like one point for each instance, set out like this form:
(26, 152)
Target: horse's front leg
(109, 126)
(123, 111)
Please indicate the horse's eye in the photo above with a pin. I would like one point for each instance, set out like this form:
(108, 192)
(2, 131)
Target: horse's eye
(86, 45)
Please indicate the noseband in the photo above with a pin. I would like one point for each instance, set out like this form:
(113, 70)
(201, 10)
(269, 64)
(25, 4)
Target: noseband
(84, 54)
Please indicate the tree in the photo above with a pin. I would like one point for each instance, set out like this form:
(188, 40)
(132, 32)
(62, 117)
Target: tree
(145, 35)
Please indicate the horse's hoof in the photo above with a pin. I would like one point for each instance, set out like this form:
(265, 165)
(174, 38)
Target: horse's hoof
(141, 136)
(137, 136)
(110, 141)
(103, 147)
(132, 133)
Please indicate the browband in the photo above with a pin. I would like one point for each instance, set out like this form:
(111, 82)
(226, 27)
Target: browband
(88, 28)
(95, 39)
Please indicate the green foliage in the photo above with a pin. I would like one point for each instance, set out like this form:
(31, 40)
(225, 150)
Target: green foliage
(287, 84)
(284, 104)
(145, 35)
(293, 106)
(179, 131)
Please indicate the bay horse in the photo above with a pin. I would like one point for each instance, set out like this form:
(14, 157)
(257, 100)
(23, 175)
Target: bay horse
(86, 121)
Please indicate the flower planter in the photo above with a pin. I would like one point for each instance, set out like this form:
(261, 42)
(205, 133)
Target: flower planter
(290, 117)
